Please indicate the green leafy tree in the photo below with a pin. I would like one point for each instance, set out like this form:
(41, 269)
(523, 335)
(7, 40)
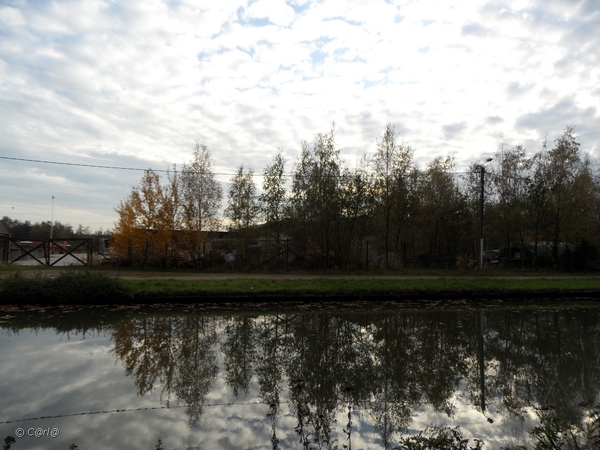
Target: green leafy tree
(507, 212)
(316, 202)
(273, 202)
(392, 166)
(299, 212)
(243, 209)
(561, 196)
(356, 211)
(442, 215)
(569, 177)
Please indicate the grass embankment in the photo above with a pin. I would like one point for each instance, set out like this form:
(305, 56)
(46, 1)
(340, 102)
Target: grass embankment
(357, 287)
(91, 287)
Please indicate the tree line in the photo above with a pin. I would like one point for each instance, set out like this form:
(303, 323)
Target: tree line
(542, 210)
(40, 231)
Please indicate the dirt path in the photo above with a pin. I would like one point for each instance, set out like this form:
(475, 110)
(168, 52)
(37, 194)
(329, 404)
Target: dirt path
(158, 275)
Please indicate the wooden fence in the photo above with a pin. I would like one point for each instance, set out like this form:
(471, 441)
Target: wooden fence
(52, 252)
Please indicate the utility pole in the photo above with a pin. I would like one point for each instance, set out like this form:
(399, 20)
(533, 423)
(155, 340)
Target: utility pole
(481, 213)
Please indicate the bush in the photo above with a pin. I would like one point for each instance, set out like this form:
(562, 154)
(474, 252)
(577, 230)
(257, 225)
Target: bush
(433, 438)
(550, 434)
(68, 287)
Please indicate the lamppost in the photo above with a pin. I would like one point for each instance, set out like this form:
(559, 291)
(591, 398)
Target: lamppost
(52, 218)
(481, 359)
(481, 214)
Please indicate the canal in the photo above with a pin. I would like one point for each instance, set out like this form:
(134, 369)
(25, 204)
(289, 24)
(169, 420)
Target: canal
(332, 376)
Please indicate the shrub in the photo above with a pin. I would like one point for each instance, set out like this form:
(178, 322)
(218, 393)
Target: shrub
(433, 438)
(68, 287)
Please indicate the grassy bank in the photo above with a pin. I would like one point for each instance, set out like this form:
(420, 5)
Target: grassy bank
(357, 287)
(100, 287)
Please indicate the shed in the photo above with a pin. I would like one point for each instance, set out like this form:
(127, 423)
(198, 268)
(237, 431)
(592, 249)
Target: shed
(4, 243)
(3, 230)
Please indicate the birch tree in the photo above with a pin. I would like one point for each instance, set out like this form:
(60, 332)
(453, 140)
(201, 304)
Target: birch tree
(392, 166)
(243, 208)
(273, 198)
(316, 201)
(569, 178)
(443, 217)
(201, 194)
(509, 183)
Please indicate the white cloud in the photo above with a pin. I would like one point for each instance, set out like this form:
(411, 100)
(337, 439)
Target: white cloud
(11, 18)
(97, 79)
(276, 11)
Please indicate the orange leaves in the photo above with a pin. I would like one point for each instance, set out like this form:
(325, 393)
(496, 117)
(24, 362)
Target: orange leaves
(143, 234)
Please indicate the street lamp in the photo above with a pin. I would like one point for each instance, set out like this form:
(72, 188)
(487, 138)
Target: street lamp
(481, 214)
(52, 218)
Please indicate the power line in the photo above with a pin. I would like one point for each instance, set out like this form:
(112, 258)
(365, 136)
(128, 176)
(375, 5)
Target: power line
(96, 166)
(116, 411)
(137, 169)
(75, 164)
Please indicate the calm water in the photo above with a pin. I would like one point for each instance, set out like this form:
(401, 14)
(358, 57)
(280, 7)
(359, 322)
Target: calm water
(305, 378)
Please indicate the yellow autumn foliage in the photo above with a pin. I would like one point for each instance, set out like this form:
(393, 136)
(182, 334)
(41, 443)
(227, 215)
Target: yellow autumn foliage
(144, 231)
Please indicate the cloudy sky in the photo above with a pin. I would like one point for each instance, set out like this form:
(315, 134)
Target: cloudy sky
(136, 83)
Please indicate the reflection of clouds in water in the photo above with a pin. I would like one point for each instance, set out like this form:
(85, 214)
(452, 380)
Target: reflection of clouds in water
(59, 376)
(70, 376)
(45, 366)
(471, 422)
(50, 374)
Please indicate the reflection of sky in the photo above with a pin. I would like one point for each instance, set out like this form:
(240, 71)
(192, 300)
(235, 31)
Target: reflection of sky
(49, 374)
(504, 430)
(46, 374)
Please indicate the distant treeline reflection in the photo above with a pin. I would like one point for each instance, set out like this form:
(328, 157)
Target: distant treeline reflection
(387, 365)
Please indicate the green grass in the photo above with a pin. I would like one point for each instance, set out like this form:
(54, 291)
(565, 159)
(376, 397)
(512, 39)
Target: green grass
(358, 286)
(95, 287)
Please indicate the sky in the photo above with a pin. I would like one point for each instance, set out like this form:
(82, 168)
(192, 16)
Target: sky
(134, 84)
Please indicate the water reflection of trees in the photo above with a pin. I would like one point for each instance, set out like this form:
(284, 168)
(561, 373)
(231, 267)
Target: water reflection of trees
(177, 352)
(544, 359)
(387, 365)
